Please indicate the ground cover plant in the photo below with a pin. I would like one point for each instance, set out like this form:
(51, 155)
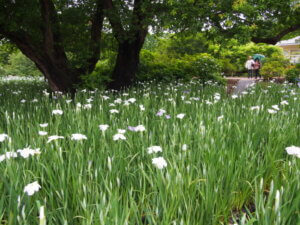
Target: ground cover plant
(176, 153)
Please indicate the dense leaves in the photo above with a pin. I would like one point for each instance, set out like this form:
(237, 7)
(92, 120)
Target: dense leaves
(260, 21)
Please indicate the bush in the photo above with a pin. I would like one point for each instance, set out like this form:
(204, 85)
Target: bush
(274, 66)
(271, 69)
(205, 66)
(100, 76)
(292, 74)
(162, 67)
(20, 65)
(152, 65)
(228, 68)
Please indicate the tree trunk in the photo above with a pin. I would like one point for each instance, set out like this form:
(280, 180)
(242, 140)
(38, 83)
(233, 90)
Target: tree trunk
(54, 67)
(60, 78)
(126, 65)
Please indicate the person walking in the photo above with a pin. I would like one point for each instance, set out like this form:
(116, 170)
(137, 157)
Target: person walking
(256, 68)
(249, 65)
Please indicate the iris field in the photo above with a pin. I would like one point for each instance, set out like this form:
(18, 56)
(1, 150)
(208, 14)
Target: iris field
(165, 154)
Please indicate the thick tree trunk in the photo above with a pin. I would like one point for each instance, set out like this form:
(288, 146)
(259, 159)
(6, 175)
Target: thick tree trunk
(126, 65)
(60, 78)
(130, 42)
(54, 67)
(44, 45)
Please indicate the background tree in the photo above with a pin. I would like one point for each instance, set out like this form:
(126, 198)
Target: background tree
(259, 21)
(62, 38)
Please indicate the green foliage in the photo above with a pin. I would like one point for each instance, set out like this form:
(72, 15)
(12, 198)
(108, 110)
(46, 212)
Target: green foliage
(205, 66)
(159, 65)
(100, 76)
(274, 66)
(180, 45)
(292, 74)
(177, 45)
(6, 49)
(272, 69)
(227, 67)
(154, 65)
(151, 42)
(238, 54)
(178, 56)
(2, 71)
(263, 21)
(19, 64)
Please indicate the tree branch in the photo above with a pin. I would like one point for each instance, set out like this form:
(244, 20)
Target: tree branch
(23, 41)
(278, 37)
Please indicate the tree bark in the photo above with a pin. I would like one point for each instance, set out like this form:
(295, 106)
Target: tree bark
(96, 29)
(130, 43)
(59, 75)
(48, 51)
(55, 68)
(53, 62)
(126, 65)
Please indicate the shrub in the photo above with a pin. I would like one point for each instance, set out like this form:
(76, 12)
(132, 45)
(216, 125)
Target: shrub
(228, 68)
(205, 66)
(271, 69)
(162, 67)
(274, 66)
(152, 65)
(292, 74)
(100, 76)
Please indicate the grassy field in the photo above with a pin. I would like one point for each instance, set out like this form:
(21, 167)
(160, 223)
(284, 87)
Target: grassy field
(218, 159)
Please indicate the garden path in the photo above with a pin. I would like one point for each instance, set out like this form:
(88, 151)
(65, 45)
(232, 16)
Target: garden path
(243, 84)
(236, 85)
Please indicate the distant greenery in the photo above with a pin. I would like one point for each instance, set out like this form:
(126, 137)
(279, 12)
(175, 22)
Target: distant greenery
(165, 67)
(13, 62)
(167, 57)
(274, 66)
(101, 74)
(293, 73)
(230, 55)
(19, 64)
